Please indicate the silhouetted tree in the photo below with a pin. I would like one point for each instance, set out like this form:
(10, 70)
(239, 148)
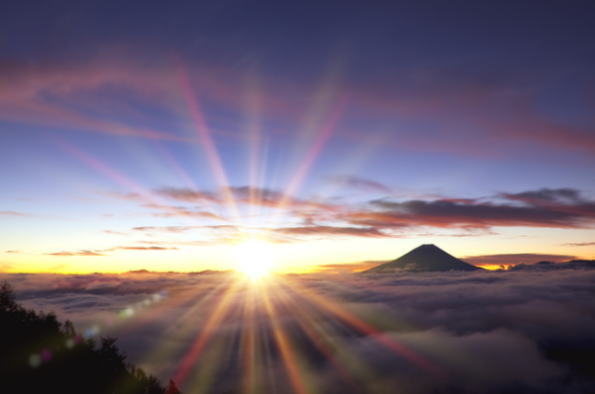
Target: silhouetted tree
(172, 388)
(40, 354)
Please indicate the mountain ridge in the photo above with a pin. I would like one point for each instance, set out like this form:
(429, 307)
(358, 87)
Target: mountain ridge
(549, 265)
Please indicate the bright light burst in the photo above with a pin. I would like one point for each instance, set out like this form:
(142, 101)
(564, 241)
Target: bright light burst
(254, 258)
(260, 309)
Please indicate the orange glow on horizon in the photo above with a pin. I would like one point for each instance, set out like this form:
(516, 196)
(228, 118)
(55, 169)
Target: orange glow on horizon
(495, 267)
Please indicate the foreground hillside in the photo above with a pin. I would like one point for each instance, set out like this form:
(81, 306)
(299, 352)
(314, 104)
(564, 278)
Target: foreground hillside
(42, 355)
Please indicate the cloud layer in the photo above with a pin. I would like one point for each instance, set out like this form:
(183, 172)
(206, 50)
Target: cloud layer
(480, 332)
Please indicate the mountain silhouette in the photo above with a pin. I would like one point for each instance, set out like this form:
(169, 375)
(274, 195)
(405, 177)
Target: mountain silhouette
(424, 258)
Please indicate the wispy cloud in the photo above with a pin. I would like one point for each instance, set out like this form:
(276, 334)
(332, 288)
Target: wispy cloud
(12, 213)
(78, 253)
(243, 194)
(181, 229)
(143, 248)
(168, 211)
(315, 230)
(186, 195)
(548, 197)
(44, 93)
(580, 244)
(356, 182)
(105, 252)
(113, 232)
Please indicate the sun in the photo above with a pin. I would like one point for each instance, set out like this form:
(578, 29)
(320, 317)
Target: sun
(254, 258)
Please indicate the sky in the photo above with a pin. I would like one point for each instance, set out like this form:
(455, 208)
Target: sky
(194, 135)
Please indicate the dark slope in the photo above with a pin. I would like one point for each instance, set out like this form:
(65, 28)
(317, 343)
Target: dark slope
(39, 354)
(424, 258)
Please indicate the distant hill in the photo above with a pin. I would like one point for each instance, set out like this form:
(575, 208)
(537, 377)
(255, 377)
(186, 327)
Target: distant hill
(424, 258)
(549, 265)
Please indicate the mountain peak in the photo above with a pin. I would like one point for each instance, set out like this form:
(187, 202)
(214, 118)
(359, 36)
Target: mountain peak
(427, 246)
(424, 258)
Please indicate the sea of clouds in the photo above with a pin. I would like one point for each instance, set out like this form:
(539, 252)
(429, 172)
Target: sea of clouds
(477, 332)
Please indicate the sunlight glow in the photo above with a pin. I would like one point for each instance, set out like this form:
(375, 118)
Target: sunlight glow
(254, 258)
